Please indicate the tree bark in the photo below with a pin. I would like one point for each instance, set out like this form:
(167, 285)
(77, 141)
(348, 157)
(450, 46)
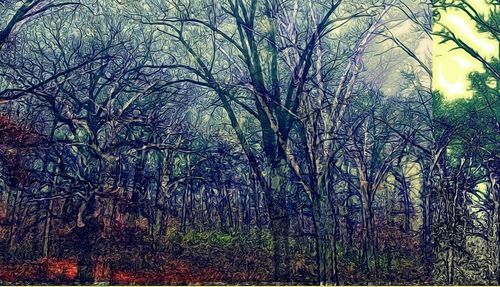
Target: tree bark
(326, 253)
(426, 245)
(14, 218)
(494, 179)
(280, 222)
(366, 215)
(46, 230)
(85, 234)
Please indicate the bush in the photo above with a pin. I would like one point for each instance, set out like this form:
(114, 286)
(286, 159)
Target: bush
(217, 239)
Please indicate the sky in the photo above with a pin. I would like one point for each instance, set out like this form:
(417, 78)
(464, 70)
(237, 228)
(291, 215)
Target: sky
(451, 67)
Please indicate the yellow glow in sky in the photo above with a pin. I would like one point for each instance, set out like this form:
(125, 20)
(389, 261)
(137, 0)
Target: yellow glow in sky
(452, 67)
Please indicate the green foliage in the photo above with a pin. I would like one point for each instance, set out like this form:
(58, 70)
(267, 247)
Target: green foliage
(207, 238)
(472, 122)
(217, 239)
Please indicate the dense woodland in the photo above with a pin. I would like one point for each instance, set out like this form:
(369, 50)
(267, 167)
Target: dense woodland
(243, 141)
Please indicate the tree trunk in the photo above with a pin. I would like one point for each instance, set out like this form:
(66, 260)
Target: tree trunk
(13, 224)
(280, 222)
(493, 170)
(156, 228)
(184, 209)
(85, 234)
(326, 257)
(84, 241)
(227, 201)
(450, 266)
(185, 197)
(405, 194)
(256, 202)
(426, 247)
(46, 230)
(366, 215)
(496, 237)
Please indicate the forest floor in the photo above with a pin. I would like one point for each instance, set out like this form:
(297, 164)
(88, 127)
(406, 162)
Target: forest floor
(183, 270)
(174, 271)
(198, 258)
(163, 269)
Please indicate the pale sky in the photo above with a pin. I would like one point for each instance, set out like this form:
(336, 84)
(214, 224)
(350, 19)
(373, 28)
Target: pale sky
(451, 68)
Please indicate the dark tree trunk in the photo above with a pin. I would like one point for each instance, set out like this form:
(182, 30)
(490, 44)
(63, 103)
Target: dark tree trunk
(426, 246)
(256, 202)
(280, 222)
(366, 218)
(14, 220)
(326, 257)
(84, 240)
